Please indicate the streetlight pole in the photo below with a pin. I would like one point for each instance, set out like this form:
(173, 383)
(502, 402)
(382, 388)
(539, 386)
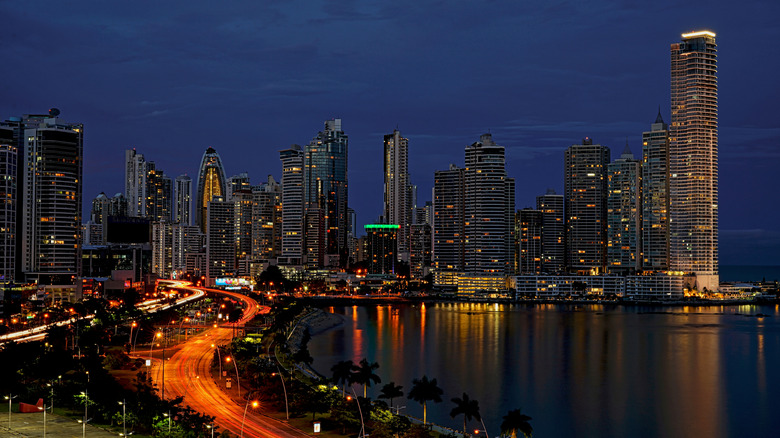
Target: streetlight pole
(124, 412)
(254, 405)
(44, 420)
(10, 397)
(287, 410)
(238, 380)
(219, 357)
(360, 410)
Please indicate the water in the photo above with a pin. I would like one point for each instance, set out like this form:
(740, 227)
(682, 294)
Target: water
(576, 370)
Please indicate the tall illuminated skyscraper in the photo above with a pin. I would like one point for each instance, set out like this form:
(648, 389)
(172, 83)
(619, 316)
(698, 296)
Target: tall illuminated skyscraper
(211, 183)
(325, 189)
(182, 207)
(585, 180)
(398, 204)
(693, 158)
(624, 214)
(655, 196)
(292, 206)
(8, 193)
(553, 231)
(135, 183)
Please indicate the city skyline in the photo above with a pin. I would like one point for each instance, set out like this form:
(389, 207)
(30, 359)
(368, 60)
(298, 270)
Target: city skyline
(541, 106)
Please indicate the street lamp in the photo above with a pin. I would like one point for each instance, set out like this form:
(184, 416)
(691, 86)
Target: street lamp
(44, 408)
(124, 412)
(168, 414)
(254, 405)
(10, 397)
(360, 410)
(84, 423)
(238, 380)
(287, 410)
(211, 426)
(132, 326)
(219, 357)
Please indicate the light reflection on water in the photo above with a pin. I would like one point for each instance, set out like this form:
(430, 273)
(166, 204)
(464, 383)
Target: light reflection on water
(585, 370)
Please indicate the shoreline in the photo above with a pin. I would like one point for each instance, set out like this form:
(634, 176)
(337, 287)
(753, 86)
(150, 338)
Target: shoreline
(321, 301)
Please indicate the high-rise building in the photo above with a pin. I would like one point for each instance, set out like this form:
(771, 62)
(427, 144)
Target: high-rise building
(528, 228)
(419, 250)
(489, 211)
(51, 224)
(211, 183)
(135, 183)
(398, 204)
(8, 193)
(243, 229)
(325, 189)
(382, 247)
(117, 206)
(182, 206)
(693, 159)
(99, 208)
(655, 196)
(159, 194)
(624, 214)
(585, 181)
(267, 220)
(553, 232)
(292, 206)
(238, 183)
(220, 238)
(449, 208)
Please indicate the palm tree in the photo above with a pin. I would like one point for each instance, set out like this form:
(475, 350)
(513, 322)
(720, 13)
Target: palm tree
(342, 373)
(391, 391)
(364, 374)
(425, 390)
(466, 407)
(515, 421)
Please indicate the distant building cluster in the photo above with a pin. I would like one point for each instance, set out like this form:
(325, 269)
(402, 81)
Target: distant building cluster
(644, 227)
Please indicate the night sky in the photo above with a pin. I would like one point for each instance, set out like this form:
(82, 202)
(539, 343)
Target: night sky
(250, 78)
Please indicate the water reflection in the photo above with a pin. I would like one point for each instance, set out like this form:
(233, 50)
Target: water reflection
(577, 370)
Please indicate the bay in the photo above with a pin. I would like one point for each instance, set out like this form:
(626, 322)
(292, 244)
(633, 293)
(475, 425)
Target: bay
(584, 370)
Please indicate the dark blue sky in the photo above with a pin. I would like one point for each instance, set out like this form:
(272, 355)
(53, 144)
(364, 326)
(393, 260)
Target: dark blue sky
(249, 78)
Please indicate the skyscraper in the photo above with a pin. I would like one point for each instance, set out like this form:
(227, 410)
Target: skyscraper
(398, 204)
(529, 223)
(211, 183)
(624, 214)
(51, 225)
(159, 194)
(655, 196)
(585, 180)
(325, 189)
(553, 231)
(8, 193)
(292, 206)
(693, 159)
(135, 183)
(182, 206)
(267, 220)
(220, 238)
(449, 200)
(489, 218)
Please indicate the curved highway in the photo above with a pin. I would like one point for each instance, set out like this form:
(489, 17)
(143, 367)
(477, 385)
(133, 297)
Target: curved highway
(188, 374)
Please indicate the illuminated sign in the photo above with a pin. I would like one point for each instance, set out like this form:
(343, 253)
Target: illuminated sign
(229, 281)
(382, 227)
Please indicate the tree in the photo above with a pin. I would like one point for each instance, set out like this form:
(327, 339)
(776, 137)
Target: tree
(364, 374)
(424, 390)
(391, 391)
(467, 407)
(342, 373)
(514, 422)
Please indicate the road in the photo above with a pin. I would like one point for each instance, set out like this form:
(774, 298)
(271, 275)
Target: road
(187, 374)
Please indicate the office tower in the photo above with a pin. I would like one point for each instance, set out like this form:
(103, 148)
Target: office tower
(292, 205)
(655, 196)
(624, 218)
(489, 211)
(237, 183)
(529, 241)
(211, 183)
(398, 205)
(382, 245)
(51, 224)
(553, 231)
(99, 208)
(117, 206)
(315, 238)
(159, 194)
(182, 207)
(8, 192)
(267, 220)
(242, 224)
(693, 159)
(162, 249)
(135, 183)
(419, 250)
(449, 208)
(424, 214)
(220, 239)
(585, 181)
(187, 241)
(171, 245)
(325, 188)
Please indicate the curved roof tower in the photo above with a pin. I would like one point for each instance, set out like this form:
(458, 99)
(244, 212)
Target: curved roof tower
(211, 183)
